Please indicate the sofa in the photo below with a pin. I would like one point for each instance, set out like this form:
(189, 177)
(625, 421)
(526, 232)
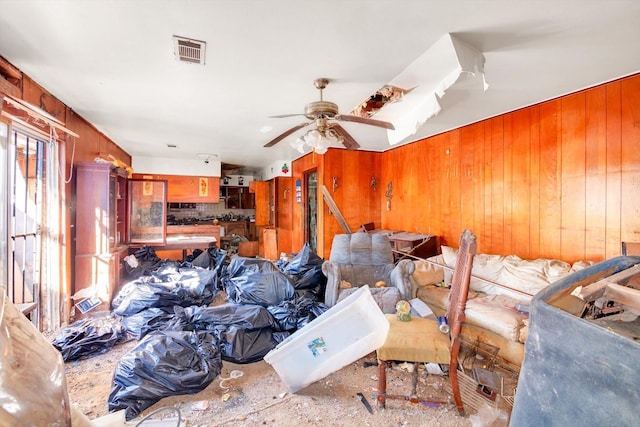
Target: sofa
(501, 289)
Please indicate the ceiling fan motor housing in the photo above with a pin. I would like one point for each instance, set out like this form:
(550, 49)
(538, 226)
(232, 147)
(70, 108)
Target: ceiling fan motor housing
(318, 109)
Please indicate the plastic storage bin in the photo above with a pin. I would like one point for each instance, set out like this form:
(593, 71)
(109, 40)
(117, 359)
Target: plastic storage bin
(349, 330)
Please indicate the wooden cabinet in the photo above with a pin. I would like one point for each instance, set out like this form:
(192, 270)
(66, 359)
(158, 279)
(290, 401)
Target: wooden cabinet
(283, 215)
(268, 243)
(238, 198)
(101, 227)
(260, 189)
(104, 224)
(239, 228)
(188, 189)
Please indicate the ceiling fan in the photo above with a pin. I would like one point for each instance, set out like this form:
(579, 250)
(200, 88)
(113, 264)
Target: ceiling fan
(322, 113)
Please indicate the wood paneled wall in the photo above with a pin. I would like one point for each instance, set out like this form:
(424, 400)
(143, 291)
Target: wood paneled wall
(354, 196)
(558, 179)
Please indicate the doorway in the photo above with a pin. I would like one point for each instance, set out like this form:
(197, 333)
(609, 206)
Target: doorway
(311, 209)
(33, 224)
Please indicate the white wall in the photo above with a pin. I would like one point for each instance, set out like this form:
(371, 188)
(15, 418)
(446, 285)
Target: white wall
(276, 169)
(166, 166)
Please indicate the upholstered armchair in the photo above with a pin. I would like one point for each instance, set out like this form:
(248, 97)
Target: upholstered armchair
(361, 259)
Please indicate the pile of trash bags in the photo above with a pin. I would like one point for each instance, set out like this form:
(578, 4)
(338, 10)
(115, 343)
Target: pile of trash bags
(183, 338)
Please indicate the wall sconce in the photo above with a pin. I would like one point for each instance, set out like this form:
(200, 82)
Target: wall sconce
(335, 183)
(388, 195)
(373, 183)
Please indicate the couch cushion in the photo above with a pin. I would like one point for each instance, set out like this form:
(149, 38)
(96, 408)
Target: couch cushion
(495, 313)
(425, 273)
(359, 275)
(486, 266)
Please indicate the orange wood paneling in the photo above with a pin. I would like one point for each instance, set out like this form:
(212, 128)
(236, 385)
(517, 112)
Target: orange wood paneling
(466, 176)
(572, 240)
(507, 159)
(613, 236)
(534, 181)
(558, 179)
(596, 168)
(549, 190)
(630, 166)
(520, 181)
(496, 217)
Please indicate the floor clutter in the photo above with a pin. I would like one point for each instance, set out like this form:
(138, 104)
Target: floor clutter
(235, 341)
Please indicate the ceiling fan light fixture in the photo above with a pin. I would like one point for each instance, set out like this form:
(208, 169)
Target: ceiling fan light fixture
(319, 141)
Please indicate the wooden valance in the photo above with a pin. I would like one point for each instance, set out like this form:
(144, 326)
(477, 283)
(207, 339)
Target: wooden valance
(31, 116)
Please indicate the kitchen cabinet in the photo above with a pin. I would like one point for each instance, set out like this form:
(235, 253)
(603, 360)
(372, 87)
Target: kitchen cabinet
(147, 212)
(238, 198)
(188, 189)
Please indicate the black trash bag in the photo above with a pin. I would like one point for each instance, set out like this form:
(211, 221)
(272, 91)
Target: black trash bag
(164, 363)
(257, 281)
(305, 270)
(147, 261)
(150, 319)
(302, 261)
(310, 310)
(293, 315)
(212, 258)
(247, 316)
(280, 336)
(189, 286)
(240, 345)
(89, 337)
(194, 254)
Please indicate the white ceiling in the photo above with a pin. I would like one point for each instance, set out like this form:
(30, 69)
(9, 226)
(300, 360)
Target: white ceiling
(113, 63)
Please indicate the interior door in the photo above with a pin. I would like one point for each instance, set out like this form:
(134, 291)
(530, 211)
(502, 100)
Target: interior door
(311, 209)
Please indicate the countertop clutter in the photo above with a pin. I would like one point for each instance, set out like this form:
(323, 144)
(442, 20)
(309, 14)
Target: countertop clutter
(209, 220)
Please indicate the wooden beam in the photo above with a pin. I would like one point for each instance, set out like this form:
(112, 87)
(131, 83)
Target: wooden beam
(623, 295)
(9, 88)
(595, 290)
(335, 211)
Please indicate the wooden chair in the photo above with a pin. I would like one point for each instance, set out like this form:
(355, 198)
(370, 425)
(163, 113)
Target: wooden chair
(420, 340)
(630, 248)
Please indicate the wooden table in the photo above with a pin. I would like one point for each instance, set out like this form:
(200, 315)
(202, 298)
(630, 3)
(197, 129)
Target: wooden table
(186, 243)
(414, 244)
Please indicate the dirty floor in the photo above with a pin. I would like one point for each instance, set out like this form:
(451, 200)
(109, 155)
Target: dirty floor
(259, 397)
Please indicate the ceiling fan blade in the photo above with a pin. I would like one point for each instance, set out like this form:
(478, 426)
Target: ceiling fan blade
(347, 139)
(364, 121)
(281, 116)
(282, 136)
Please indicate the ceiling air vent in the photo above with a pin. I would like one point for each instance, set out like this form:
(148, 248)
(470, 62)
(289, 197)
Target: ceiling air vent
(188, 50)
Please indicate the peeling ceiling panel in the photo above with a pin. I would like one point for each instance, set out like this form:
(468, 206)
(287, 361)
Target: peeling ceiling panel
(446, 63)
